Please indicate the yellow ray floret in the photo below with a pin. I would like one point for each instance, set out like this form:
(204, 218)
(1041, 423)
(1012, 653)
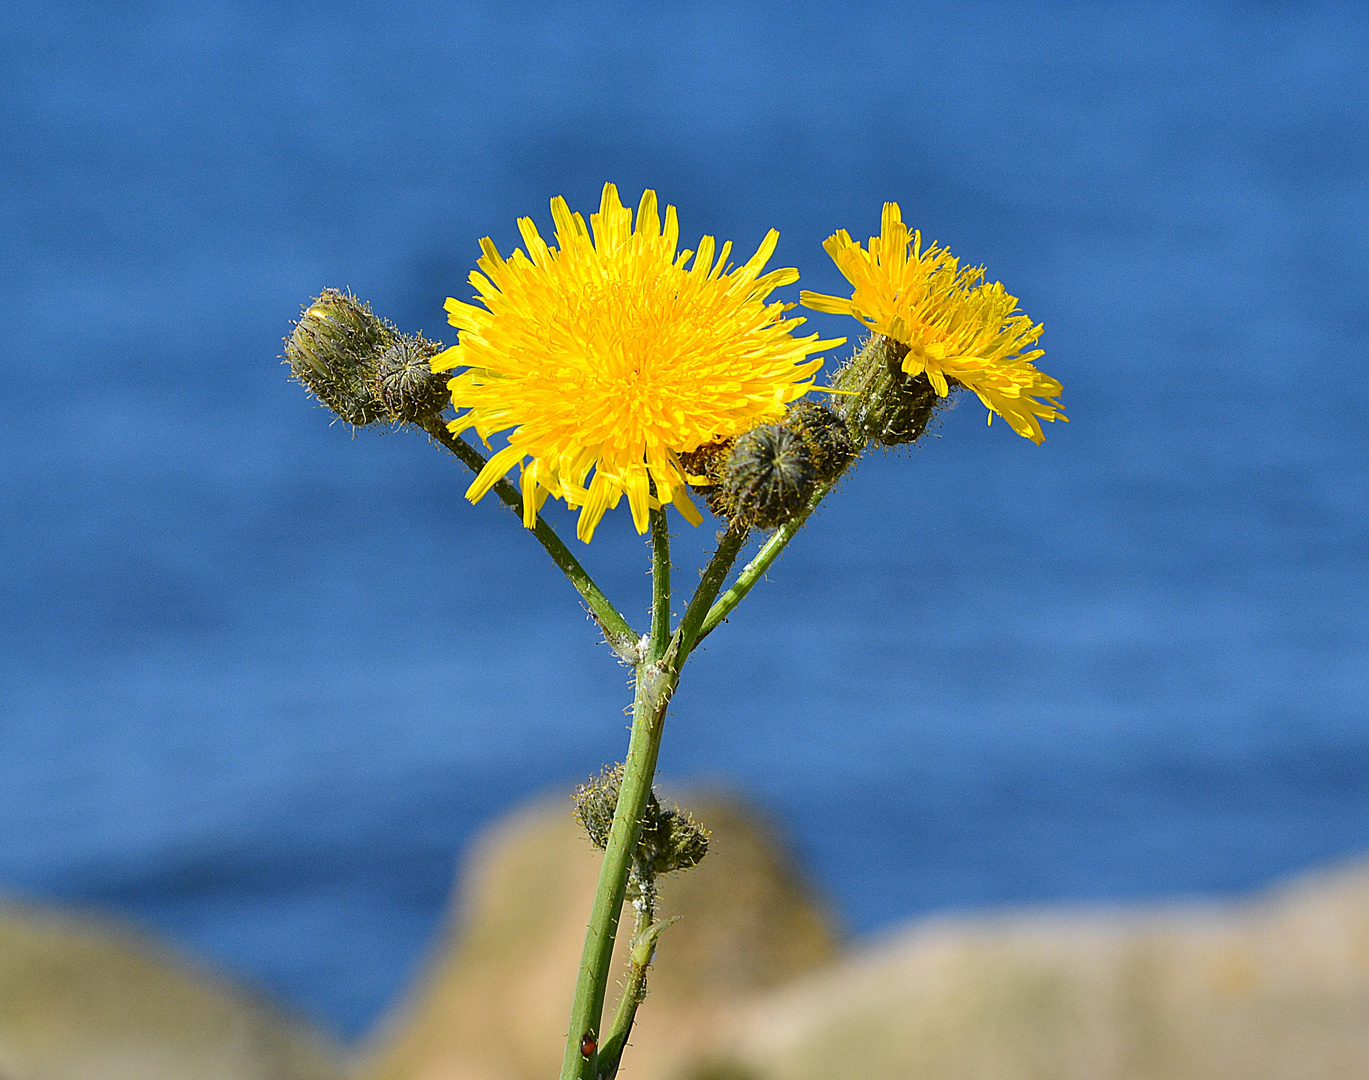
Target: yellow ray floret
(956, 327)
(604, 354)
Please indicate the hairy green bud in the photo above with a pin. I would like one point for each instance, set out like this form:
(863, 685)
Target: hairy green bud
(405, 383)
(826, 436)
(765, 476)
(709, 462)
(769, 477)
(333, 351)
(882, 404)
(670, 839)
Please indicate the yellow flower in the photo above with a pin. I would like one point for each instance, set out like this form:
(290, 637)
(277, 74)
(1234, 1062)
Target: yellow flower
(604, 353)
(954, 325)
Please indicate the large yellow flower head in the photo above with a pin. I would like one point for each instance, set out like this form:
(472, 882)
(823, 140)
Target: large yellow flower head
(605, 354)
(954, 325)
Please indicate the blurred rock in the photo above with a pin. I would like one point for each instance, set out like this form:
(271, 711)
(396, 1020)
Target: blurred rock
(747, 986)
(1276, 988)
(82, 999)
(495, 1002)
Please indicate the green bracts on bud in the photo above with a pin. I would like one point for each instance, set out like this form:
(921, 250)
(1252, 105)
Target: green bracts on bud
(769, 477)
(405, 383)
(333, 351)
(360, 365)
(669, 840)
(709, 462)
(765, 476)
(825, 435)
(881, 403)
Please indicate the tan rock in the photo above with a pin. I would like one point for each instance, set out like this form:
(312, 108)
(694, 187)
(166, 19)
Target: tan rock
(747, 986)
(496, 999)
(84, 999)
(1275, 989)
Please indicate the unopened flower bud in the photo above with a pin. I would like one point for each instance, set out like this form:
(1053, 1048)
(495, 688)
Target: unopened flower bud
(882, 404)
(769, 477)
(670, 839)
(765, 476)
(826, 435)
(406, 385)
(596, 802)
(333, 351)
(707, 465)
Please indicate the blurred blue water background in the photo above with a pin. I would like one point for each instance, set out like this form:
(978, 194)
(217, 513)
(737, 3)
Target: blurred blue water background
(262, 681)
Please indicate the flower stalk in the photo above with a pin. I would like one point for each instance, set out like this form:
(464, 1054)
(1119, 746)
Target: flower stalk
(617, 631)
(756, 568)
(634, 991)
(656, 676)
(729, 547)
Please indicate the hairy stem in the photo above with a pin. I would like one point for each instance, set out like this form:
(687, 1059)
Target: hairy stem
(617, 631)
(756, 568)
(660, 584)
(657, 674)
(729, 546)
(634, 991)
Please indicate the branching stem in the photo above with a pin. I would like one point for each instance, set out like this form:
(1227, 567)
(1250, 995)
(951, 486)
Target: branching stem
(657, 675)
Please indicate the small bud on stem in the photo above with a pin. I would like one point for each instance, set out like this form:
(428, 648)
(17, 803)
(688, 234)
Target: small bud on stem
(769, 476)
(825, 435)
(669, 840)
(405, 383)
(361, 366)
(765, 476)
(333, 351)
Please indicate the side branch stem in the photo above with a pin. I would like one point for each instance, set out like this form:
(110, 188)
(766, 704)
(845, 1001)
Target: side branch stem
(729, 546)
(756, 568)
(617, 631)
(634, 992)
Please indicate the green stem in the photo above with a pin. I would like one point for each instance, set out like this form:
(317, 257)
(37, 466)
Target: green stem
(655, 683)
(644, 914)
(657, 675)
(660, 584)
(729, 546)
(756, 568)
(617, 631)
(634, 991)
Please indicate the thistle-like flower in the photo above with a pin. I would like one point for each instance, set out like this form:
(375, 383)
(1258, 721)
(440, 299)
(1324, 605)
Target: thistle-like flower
(604, 354)
(957, 330)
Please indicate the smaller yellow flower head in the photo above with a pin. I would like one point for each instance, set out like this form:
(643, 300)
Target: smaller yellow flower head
(955, 326)
(604, 353)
